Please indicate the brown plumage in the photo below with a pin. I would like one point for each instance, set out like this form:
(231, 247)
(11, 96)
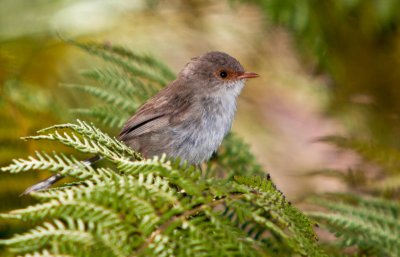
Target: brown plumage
(189, 118)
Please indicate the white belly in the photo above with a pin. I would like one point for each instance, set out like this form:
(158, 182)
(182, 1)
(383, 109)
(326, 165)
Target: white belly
(202, 138)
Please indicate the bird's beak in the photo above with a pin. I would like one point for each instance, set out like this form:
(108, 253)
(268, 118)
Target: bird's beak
(248, 75)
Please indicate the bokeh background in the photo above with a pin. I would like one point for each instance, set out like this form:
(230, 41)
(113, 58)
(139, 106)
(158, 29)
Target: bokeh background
(327, 68)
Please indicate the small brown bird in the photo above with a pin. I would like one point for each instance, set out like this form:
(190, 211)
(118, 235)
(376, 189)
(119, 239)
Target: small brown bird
(187, 119)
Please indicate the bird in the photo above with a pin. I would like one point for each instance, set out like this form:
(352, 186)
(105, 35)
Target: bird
(187, 119)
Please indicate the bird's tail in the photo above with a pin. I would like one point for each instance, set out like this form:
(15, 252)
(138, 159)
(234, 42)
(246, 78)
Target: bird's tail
(48, 182)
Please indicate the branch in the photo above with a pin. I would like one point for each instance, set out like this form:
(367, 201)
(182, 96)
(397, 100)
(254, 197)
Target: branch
(182, 216)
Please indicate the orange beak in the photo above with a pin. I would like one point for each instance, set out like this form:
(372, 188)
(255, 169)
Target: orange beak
(248, 75)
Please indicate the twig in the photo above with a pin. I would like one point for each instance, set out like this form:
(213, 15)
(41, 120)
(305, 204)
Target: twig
(183, 215)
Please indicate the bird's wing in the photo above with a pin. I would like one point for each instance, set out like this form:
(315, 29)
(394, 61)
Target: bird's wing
(159, 112)
(147, 119)
(144, 124)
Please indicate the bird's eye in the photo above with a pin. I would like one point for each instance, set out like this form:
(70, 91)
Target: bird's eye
(223, 74)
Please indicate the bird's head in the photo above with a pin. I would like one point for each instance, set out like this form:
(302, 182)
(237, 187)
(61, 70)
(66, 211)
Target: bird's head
(215, 73)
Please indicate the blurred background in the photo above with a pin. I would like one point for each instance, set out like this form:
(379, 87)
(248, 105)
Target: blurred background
(327, 68)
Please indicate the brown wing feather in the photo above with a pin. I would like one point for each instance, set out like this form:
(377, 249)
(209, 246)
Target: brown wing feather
(147, 117)
(157, 112)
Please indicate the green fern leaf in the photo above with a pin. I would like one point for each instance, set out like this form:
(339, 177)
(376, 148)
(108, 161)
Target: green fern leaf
(44, 253)
(129, 62)
(151, 207)
(108, 97)
(88, 139)
(57, 163)
(370, 223)
(105, 115)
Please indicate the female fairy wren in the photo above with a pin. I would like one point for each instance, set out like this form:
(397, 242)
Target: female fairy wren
(189, 118)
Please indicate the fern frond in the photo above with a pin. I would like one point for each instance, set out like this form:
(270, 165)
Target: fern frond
(88, 139)
(233, 158)
(153, 207)
(379, 204)
(150, 203)
(370, 215)
(130, 62)
(112, 79)
(206, 231)
(117, 229)
(121, 52)
(41, 236)
(105, 115)
(169, 169)
(159, 207)
(130, 196)
(121, 82)
(109, 97)
(136, 79)
(44, 253)
(148, 60)
(57, 163)
(370, 223)
(272, 201)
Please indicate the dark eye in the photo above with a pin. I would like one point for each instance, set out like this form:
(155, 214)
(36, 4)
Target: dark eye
(223, 74)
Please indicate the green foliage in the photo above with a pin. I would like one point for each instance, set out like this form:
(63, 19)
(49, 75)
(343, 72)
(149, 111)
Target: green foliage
(130, 206)
(233, 158)
(123, 88)
(87, 139)
(372, 224)
(151, 207)
(369, 223)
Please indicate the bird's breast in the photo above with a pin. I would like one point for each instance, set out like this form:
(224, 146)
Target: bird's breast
(202, 134)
